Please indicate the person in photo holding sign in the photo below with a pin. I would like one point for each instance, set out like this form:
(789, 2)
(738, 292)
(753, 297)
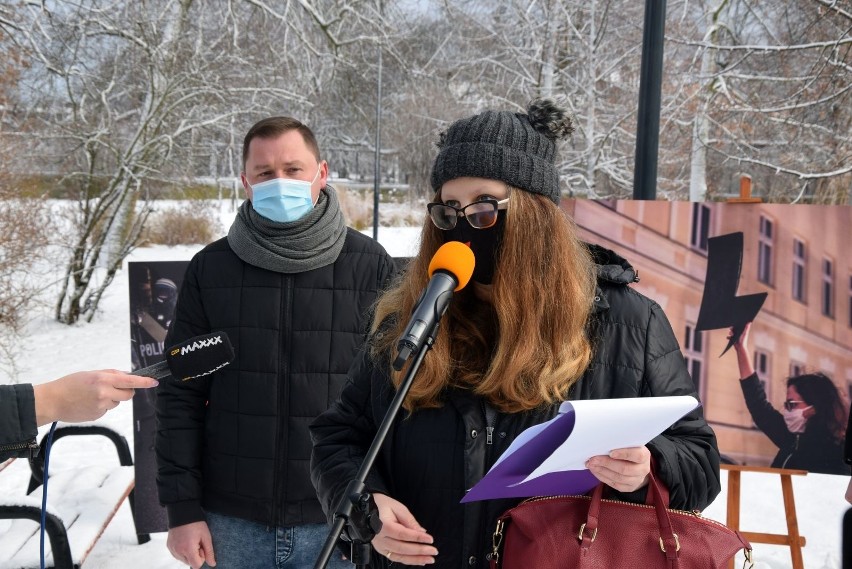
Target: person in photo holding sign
(545, 319)
(810, 428)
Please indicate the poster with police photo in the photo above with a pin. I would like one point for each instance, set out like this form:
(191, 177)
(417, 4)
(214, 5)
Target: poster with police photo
(153, 295)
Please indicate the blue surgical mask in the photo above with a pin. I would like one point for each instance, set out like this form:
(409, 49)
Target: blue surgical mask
(283, 199)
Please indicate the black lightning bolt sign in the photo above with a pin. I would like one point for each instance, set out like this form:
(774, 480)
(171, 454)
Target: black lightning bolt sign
(720, 305)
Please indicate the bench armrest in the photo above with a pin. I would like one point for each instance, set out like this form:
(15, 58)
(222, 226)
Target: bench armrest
(37, 462)
(53, 526)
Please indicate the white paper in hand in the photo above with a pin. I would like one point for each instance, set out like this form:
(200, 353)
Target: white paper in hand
(602, 425)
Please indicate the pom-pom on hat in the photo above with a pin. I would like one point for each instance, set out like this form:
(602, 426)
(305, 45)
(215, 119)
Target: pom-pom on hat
(515, 148)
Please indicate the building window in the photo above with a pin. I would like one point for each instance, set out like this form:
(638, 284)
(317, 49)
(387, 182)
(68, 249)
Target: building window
(796, 368)
(799, 270)
(828, 288)
(700, 226)
(693, 352)
(761, 368)
(764, 252)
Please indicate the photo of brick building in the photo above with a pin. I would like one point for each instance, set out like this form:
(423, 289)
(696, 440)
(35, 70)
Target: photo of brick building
(799, 254)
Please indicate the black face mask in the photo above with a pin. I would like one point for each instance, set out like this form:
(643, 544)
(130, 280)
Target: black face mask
(485, 243)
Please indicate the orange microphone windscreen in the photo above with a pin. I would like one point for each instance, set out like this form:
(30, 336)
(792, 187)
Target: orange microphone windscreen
(455, 258)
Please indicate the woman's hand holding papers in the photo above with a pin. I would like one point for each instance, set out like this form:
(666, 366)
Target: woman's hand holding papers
(402, 538)
(625, 469)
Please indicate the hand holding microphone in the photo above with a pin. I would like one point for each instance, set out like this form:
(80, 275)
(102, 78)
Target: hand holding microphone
(450, 270)
(87, 395)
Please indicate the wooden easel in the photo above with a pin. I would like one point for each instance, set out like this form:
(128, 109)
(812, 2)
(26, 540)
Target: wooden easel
(745, 192)
(792, 539)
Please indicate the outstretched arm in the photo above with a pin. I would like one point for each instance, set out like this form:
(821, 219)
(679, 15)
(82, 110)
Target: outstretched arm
(743, 356)
(85, 395)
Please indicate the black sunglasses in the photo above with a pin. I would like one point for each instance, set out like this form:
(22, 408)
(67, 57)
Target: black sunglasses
(480, 215)
(790, 404)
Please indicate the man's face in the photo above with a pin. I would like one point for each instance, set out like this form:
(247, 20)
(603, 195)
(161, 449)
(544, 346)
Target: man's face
(283, 156)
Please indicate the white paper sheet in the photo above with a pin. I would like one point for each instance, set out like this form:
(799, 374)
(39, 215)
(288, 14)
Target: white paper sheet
(603, 425)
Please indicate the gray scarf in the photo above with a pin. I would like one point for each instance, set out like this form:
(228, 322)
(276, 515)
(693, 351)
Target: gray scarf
(308, 243)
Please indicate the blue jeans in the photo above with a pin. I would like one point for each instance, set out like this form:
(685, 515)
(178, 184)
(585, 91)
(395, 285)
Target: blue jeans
(242, 544)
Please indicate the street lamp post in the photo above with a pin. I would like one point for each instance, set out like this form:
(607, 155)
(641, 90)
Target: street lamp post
(650, 88)
(378, 160)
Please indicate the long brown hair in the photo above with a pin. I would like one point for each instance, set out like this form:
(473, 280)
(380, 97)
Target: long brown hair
(528, 346)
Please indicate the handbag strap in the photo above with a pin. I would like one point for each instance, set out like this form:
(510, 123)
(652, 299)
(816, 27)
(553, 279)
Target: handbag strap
(668, 539)
(661, 488)
(658, 497)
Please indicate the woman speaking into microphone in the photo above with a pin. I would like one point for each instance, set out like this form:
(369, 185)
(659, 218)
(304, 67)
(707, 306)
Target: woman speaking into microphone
(546, 318)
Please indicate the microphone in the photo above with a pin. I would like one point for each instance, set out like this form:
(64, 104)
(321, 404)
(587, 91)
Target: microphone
(193, 358)
(450, 270)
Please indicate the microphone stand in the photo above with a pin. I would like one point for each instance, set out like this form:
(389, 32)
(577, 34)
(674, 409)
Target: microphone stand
(357, 510)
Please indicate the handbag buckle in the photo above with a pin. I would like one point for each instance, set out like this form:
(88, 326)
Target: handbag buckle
(594, 533)
(677, 543)
(749, 558)
(496, 539)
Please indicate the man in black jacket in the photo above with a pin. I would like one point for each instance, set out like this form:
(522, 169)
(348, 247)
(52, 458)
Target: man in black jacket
(292, 286)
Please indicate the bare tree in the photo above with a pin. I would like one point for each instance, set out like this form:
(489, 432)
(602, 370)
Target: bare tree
(23, 219)
(584, 54)
(123, 89)
(121, 100)
(774, 81)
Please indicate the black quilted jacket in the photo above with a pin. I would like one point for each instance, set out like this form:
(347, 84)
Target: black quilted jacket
(17, 421)
(431, 457)
(237, 443)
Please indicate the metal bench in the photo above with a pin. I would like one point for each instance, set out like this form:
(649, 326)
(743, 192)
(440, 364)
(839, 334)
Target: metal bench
(81, 502)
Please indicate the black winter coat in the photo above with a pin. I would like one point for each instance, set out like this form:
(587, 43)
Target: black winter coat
(432, 456)
(237, 443)
(18, 428)
(815, 449)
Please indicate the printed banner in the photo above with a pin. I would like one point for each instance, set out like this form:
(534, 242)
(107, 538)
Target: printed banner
(153, 295)
(715, 268)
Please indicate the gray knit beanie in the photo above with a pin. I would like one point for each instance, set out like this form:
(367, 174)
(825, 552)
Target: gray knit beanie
(516, 148)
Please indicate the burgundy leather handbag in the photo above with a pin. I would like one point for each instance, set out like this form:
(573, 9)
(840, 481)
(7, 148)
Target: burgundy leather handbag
(585, 532)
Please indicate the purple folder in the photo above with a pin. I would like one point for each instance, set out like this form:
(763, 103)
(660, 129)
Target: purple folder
(545, 461)
(504, 480)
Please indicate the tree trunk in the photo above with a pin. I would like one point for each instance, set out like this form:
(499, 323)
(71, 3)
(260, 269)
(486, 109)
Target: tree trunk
(701, 124)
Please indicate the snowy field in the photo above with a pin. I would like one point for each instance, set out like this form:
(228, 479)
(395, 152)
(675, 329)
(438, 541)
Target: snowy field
(52, 350)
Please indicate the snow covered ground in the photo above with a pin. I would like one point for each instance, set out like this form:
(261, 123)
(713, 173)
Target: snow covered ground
(52, 350)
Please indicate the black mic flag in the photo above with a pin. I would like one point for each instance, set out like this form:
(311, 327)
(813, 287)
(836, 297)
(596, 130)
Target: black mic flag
(195, 357)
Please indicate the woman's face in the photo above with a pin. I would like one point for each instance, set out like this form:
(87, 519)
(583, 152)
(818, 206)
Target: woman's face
(484, 242)
(795, 401)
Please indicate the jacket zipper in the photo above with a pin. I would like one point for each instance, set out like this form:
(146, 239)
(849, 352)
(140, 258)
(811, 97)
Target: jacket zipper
(691, 513)
(283, 399)
(490, 420)
(30, 445)
(790, 454)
